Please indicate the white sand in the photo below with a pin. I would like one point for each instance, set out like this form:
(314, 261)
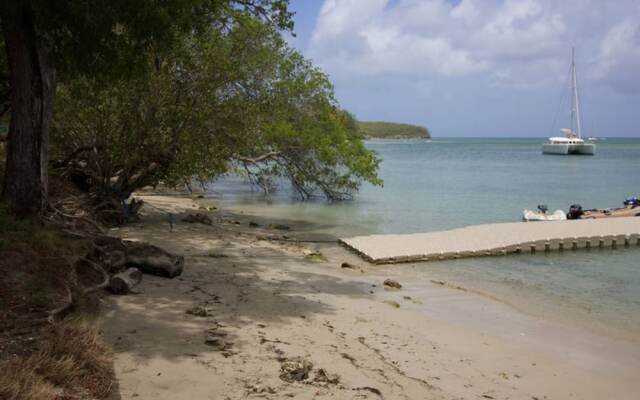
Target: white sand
(271, 303)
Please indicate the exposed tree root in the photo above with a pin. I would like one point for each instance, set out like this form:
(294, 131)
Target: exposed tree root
(105, 277)
(60, 312)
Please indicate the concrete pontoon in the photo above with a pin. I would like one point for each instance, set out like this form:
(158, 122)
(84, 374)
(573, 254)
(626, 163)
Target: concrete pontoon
(498, 239)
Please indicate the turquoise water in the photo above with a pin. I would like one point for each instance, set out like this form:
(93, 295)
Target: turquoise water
(449, 183)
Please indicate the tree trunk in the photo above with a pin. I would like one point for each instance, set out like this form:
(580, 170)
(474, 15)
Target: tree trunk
(32, 78)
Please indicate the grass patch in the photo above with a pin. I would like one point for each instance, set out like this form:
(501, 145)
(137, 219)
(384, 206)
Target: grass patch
(41, 361)
(74, 361)
(37, 260)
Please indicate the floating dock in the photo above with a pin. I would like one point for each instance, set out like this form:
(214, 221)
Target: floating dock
(498, 239)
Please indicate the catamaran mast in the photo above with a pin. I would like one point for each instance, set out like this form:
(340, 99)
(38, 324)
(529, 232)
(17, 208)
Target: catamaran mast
(575, 106)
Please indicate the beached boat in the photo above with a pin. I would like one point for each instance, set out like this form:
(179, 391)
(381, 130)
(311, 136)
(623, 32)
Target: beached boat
(630, 208)
(626, 211)
(542, 215)
(571, 141)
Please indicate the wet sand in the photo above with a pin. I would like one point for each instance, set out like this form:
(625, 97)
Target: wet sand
(269, 302)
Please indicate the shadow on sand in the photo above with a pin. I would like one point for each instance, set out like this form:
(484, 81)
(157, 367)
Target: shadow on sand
(241, 282)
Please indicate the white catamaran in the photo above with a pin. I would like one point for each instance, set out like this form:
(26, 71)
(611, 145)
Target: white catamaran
(571, 142)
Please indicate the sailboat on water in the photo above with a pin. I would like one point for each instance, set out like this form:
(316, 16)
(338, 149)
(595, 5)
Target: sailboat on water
(571, 141)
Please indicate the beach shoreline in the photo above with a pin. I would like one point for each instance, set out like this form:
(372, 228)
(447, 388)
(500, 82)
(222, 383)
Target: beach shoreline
(272, 301)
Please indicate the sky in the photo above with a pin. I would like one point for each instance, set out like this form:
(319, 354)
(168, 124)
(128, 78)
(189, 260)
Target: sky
(479, 67)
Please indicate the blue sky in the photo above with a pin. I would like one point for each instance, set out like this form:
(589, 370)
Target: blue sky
(478, 67)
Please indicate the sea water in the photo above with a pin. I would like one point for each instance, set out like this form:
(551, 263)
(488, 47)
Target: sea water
(449, 183)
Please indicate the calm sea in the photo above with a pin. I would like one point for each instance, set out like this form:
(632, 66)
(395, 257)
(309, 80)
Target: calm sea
(449, 183)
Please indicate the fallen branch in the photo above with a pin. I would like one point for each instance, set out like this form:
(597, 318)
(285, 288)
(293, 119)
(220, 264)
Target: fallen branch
(258, 159)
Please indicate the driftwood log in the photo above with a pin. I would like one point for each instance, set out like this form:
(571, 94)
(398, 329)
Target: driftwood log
(154, 260)
(123, 282)
(117, 254)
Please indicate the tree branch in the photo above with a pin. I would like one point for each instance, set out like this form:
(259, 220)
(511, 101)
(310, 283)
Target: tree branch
(266, 156)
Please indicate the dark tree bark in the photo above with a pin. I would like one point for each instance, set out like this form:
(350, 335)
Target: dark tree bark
(32, 79)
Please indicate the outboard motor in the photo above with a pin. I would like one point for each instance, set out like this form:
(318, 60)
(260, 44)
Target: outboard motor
(543, 208)
(575, 211)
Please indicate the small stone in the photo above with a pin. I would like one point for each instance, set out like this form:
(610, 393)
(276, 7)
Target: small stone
(197, 218)
(217, 342)
(217, 255)
(392, 303)
(348, 265)
(392, 284)
(295, 369)
(198, 311)
(254, 224)
(323, 377)
(316, 256)
(281, 227)
(212, 340)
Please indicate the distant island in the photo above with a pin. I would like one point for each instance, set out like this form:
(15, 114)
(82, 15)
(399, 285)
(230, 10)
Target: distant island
(392, 130)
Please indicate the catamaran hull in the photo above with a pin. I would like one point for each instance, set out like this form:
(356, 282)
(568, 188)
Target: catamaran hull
(588, 149)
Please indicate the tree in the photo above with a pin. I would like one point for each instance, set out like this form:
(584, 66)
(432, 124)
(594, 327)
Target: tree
(46, 40)
(306, 138)
(221, 99)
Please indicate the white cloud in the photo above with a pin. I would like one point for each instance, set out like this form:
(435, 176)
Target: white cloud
(514, 43)
(619, 57)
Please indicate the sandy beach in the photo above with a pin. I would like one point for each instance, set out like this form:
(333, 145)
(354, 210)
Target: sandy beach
(253, 317)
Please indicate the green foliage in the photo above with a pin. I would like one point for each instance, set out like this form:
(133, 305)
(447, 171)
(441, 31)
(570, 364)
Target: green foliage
(390, 130)
(221, 100)
(113, 37)
(99, 40)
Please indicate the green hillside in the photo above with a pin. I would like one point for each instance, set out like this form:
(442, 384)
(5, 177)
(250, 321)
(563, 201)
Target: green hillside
(392, 130)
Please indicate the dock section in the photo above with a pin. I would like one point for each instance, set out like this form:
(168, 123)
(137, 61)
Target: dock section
(497, 239)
